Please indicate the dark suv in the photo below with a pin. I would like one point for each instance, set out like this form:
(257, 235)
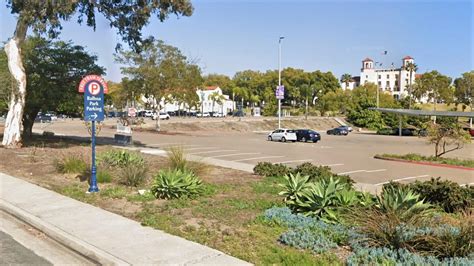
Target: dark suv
(305, 135)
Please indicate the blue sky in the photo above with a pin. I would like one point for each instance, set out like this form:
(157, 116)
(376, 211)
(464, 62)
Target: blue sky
(230, 36)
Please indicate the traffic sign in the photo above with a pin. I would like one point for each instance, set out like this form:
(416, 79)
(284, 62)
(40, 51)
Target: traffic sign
(280, 92)
(94, 88)
(132, 112)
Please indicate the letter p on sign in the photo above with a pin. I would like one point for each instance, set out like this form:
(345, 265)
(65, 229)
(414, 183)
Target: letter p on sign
(94, 88)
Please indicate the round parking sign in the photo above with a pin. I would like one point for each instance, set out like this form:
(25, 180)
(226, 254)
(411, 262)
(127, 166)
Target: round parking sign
(94, 88)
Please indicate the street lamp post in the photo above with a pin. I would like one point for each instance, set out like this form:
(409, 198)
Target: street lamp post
(279, 79)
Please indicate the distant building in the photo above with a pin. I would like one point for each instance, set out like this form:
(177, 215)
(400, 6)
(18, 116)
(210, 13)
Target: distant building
(393, 80)
(225, 106)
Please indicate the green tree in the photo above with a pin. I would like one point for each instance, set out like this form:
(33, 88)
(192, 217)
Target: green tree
(45, 17)
(161, 72)
(215, 97)
(435, 86)
(222, 81)
(410, 67)
(54, 70)
(6, 81)
(464, 90)
(447, 136)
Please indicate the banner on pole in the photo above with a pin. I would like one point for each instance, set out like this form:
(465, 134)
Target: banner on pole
(280, 92)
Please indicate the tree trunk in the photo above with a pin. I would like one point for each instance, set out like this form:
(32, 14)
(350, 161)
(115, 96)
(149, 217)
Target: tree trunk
(13, 122)
(28, 121)
(306, 110)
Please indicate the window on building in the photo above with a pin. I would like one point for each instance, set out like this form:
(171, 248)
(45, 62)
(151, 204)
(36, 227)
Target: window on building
(407, 74)
(380, 76)
(388, 76)
(396, 76)
(387, 84)
(380, 83)
(396, 82)
(366, 76)
(406, 81)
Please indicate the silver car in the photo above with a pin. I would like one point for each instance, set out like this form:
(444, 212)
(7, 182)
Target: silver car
(283, 135)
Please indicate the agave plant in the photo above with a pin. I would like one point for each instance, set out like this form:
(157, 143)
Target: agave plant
(319, 199)
(293, 187)
(365, 199)
(346, 197)
(171, 184)
(401, 200)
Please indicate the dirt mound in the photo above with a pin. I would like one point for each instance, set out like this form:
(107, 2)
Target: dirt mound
(247, 125)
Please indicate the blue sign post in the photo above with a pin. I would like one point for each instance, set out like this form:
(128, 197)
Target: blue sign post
(93, 87)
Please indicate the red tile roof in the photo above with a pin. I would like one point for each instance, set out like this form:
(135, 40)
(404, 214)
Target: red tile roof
(407, 57)
(418, 76)
(367, 59)
(211, 88)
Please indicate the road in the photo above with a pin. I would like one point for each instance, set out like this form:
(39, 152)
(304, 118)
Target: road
(352, 155)
(21, 244)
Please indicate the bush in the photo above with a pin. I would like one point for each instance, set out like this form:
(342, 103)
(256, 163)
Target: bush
(307, 232)
(386, 256)
(103, 176)
(317, 173)
(177, 161)
(450, 196)
(73, 164)
(120, 158)
(133, 174)
(447, 194)
(401, 201)
(170, 184)
(271, 170)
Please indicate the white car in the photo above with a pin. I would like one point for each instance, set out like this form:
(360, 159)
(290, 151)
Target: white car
(282, 134)
(163, 116)
(206, 114)
(215, 114)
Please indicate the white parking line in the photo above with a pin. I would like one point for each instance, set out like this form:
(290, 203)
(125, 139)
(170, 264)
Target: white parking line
(204, 152)
(351, 172)
(334, 164)
(294, 161)
(256, 158)
(161, 144)
(374, 171)
(234, 154)
(203, 148)
(400, 179)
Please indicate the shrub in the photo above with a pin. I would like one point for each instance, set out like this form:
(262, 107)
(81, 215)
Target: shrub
(72, 163)
(447, 194)
(386, 256)
(171, 184)
(317, 173)
(177, 158)
(450, 196)
(293, 188)
(301, 225)
(133, 174)
(307, 239)
(271, 170)
(120, 158)
(103, 176)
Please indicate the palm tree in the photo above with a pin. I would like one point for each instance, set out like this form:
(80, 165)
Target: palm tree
(411, 67)
(346, 78)
(218, 98)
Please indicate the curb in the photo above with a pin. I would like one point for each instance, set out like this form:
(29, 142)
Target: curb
(425, 163)
(83, 248)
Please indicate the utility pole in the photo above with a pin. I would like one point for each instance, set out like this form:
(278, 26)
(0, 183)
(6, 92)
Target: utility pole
(279, 79)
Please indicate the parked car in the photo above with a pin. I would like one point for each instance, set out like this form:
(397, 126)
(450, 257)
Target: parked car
(342, 130)
(238, 113)
(216, 114)
(283, 134)
(43, 118)
(305, 135)
(205, 114)
(163, 116)
(470, 131)
(348, 128)
(405, 132)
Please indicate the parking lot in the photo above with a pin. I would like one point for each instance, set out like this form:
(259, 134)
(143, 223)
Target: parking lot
(352, 154)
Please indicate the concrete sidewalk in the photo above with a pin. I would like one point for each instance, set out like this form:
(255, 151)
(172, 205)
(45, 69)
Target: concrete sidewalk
(100, 235)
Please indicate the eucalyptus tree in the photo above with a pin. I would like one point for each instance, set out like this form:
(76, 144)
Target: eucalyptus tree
(46, 17)
(435, 86)
(464, 90)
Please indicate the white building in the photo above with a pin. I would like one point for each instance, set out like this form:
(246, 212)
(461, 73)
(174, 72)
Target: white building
(392, 80)
(222, 106)
(211, 99)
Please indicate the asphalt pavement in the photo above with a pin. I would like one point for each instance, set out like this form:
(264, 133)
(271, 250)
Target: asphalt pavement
(13, 253)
